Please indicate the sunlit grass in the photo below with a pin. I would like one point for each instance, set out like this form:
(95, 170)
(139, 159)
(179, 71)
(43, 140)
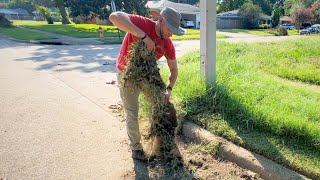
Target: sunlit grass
(260, 32)
(253, 104)
(23, 34)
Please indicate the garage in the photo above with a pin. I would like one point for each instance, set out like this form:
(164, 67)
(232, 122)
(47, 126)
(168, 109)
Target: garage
(188, 12)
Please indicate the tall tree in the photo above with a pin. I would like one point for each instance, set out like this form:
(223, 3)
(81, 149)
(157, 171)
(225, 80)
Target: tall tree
(302, 15)
(102, 8)
(23, 4)
(60, 4)
(250, 14)
(275, 17)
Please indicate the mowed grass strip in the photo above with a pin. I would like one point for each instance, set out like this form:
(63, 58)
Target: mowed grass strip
(254, 107)
(195, 34)
(73, 30)
(23, 34)
(260, 32)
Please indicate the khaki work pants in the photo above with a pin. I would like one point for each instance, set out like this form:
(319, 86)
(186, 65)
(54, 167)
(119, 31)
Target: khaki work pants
(130, 100)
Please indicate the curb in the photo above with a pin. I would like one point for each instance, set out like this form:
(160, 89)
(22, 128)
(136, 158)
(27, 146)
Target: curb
(266, 168)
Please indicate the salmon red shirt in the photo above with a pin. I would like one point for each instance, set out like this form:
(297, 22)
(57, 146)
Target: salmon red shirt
(163, 47)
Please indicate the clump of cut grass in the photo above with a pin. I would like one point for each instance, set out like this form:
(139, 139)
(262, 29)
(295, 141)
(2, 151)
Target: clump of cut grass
(142, 73)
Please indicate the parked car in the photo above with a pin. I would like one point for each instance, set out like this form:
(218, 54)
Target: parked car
(287, 26)
(317, 26)
(309, 30)
(185, 23)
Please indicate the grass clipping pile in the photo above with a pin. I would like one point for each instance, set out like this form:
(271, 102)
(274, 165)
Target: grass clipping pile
(142, 73)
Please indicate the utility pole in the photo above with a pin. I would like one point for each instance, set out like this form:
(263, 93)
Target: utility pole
(208, 17)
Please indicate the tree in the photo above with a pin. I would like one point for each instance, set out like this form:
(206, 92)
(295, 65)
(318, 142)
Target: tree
(316, 7)
(102, 9)
(250, 15)
(230, 5)
(302, 15)
(275, 17)
(23, 4)
(3, 5)
(60, 4)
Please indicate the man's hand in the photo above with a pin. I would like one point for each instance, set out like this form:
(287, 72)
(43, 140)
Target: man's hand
(166, 96)
(149, 43)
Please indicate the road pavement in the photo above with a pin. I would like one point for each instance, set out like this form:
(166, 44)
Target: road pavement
(53, 120)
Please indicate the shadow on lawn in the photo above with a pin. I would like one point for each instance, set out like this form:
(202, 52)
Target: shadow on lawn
(217, 104)
(101, 58)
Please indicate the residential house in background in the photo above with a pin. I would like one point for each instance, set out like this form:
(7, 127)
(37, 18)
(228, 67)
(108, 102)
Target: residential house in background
(187, 11)
(19, 14)
(229, 20)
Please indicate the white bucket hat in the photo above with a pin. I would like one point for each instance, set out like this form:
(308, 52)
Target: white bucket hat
(172, 19)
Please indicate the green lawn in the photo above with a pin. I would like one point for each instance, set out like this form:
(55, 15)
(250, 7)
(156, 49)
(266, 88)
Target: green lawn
(256, 103)
(74, 30)
(90, 30)
(22, 34)
(260, 32)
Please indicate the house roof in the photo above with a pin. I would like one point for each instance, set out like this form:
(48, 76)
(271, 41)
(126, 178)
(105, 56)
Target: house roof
(21, 11)
(8, 11)
(180, 7)
(286, 18)
(234, 14)
(14, 11)
(229, 13)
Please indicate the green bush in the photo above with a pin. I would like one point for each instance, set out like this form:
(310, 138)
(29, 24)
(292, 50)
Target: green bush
(4, 22)
(50, 20)
(264, 26)
(77, 20)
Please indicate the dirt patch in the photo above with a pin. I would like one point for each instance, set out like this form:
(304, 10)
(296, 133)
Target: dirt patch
(199, 165)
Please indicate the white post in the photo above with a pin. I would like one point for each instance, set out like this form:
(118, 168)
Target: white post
(208, 15)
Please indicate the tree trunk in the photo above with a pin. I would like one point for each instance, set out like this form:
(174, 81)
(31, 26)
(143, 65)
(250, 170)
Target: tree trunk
(63, 12)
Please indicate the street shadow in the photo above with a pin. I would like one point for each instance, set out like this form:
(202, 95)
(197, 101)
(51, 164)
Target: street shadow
(91, 58)
(141, 170)
(6, 43)
(217, 104)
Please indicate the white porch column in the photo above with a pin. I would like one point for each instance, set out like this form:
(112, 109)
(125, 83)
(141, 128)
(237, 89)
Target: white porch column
(208, 14)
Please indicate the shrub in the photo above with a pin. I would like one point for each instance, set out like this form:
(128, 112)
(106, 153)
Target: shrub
(282, 31)
(264, 26)
(50, 20)
(4, 22)
(77, 20)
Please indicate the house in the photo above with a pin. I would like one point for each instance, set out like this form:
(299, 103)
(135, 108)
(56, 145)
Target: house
(286, 20)
(231, 20)
(20, 14)
(187, 11)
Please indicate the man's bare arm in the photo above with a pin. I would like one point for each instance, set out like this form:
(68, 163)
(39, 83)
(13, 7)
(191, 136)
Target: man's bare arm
(173, 72)
(122, 21)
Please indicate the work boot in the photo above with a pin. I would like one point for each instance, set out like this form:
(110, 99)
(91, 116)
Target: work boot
(139, 155)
